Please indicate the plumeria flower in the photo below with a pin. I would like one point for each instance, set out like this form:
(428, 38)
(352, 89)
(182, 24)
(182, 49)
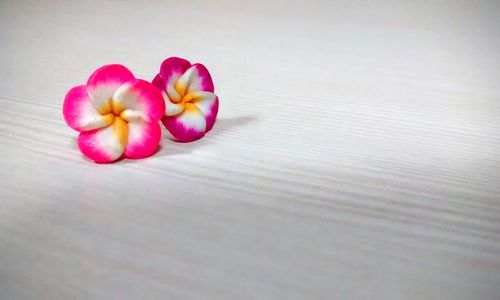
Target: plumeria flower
(190, 102)
(116, 114)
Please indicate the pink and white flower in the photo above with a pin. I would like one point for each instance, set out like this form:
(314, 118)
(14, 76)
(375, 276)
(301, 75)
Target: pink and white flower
(190, 102)
(116, 114)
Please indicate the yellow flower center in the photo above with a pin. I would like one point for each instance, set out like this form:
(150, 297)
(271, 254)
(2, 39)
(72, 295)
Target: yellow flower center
(118, 117)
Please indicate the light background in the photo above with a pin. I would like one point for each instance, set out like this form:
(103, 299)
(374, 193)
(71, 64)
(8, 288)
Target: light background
(356, 155)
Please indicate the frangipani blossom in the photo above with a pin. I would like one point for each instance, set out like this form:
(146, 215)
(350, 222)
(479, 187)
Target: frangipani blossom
(116, 114)
(190, 102)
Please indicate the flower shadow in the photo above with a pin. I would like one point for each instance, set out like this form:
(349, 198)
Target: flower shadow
(222, 126)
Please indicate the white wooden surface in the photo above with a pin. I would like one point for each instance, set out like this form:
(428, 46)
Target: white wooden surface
(356, 154)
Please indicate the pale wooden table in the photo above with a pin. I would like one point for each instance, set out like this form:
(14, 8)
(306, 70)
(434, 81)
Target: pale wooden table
(356, 154)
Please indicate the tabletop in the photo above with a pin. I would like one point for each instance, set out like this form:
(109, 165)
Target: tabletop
(355, 155)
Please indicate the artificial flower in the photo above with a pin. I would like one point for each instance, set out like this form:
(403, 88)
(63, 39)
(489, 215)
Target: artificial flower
(116, 114)
(190, 103)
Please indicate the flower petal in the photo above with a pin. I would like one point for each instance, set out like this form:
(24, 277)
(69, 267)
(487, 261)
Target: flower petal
(105, 144)
(158, 82)
(172, 68)
(172, 109)
(208, 103)
(141, 97)
(196, 78)
(103, 83)
(143, 139)
(80, 114)
(188, 126)
(202, 81)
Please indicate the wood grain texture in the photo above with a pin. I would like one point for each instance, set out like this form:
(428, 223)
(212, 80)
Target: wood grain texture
(356, 155)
